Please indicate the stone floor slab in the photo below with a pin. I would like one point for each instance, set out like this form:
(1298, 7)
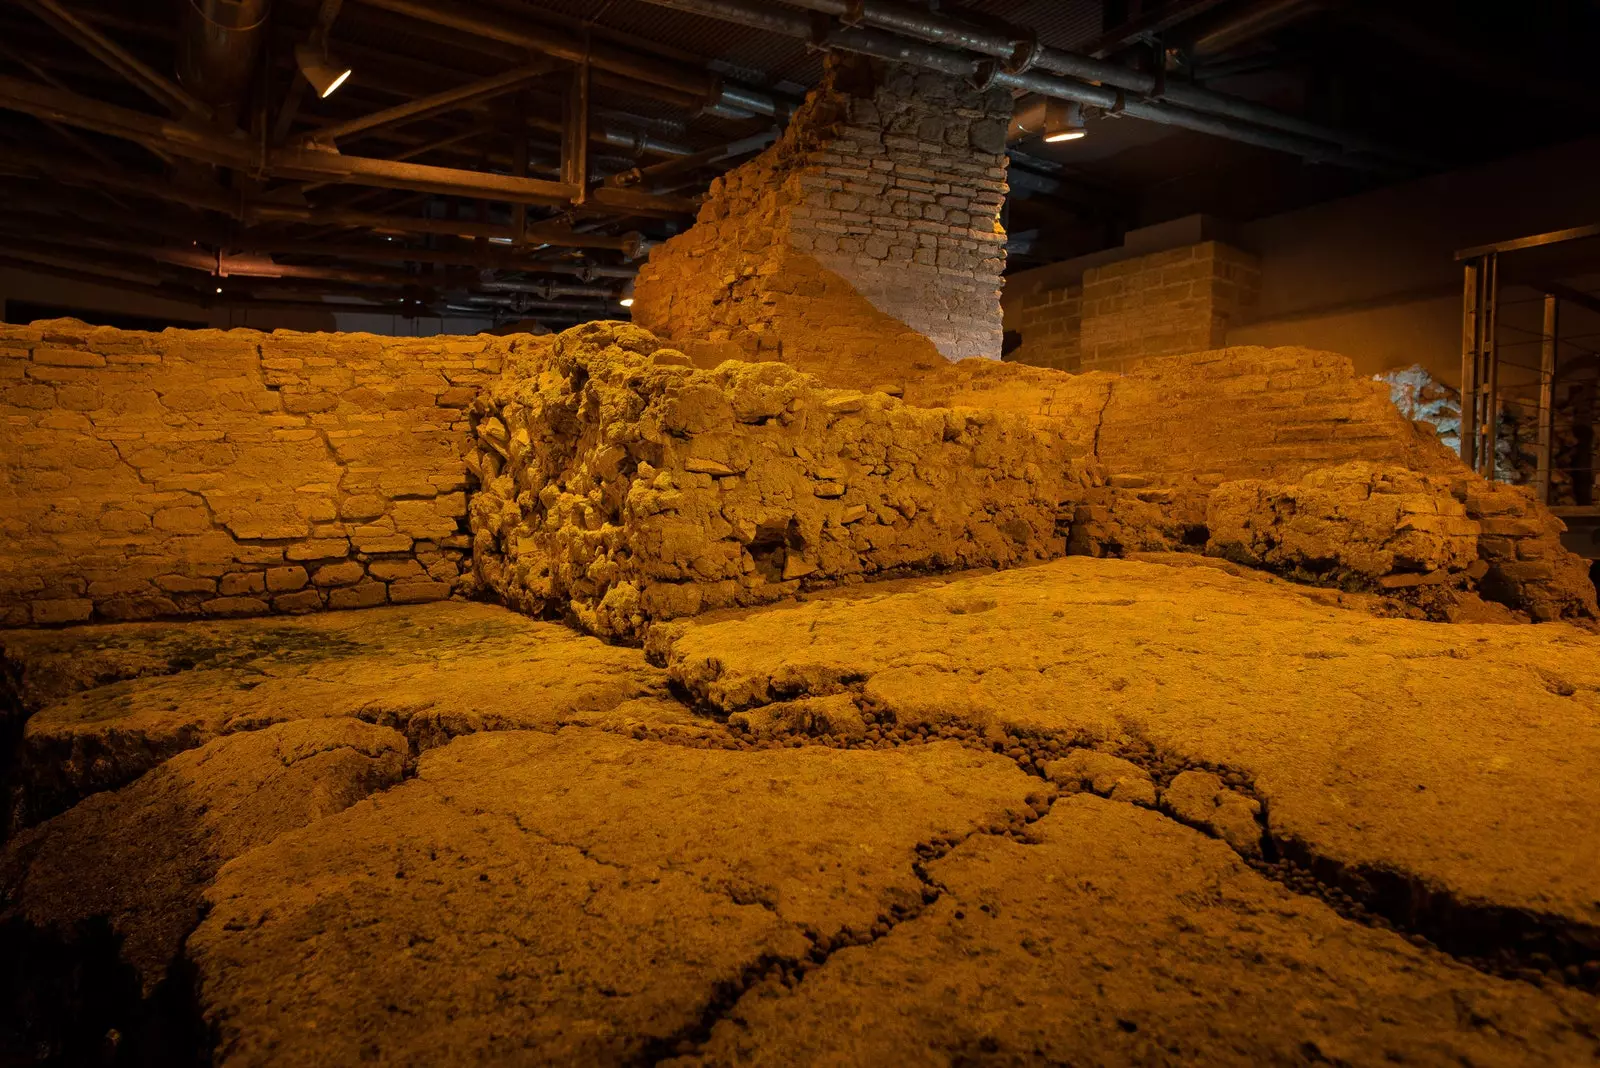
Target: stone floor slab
(1119, 937)
(575, 898)
(1461, 755)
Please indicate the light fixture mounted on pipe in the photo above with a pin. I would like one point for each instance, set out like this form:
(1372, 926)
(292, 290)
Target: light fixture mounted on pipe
(1063, 121)
(626, 299)
(323, 72)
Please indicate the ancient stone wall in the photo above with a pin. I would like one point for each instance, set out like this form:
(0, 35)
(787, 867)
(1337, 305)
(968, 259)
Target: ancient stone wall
(230, 473)
(622, 485)
(1196, 421)
(865, 242)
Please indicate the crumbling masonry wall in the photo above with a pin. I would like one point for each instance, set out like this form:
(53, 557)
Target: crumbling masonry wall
(624, 485)
(865, 242)
(219, 473)
(621, 485)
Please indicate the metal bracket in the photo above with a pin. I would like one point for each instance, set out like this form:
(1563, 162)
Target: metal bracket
(983, 73)
(1025, 52)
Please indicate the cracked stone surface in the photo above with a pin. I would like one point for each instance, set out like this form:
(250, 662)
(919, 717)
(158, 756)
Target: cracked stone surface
(1460, 755)
(1120, 937)
(141, 856)
(449, 834)
(114, 701)
(576, 898)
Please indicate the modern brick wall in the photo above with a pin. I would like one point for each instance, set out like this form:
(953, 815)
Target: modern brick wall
(1117, 314)
(867, 235)
(230, 472)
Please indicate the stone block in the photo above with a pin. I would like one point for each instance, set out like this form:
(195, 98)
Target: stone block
(385, 543)
(392, 570)
(284, 579)
(416, 591)
(297, 602)
(74, 610)
(186, 584)
(347, 573)
(182, 520)
(54, 357)
(234, 606)
(362, 595)
(236, 583)
(319, 549)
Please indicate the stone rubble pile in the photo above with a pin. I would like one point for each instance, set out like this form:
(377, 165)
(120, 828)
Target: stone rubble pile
(1423, 538)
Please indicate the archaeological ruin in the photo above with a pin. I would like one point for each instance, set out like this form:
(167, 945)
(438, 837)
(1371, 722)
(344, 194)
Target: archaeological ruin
(820, 532)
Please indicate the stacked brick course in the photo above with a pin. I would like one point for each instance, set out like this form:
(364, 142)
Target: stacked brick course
(230, 473)
(1050, 324)
(1118, 315)
(866, 242)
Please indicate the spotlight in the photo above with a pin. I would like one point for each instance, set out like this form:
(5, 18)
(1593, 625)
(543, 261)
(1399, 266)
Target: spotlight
(323, 72)
(219, 289)
(1063, 121)
(627, 294)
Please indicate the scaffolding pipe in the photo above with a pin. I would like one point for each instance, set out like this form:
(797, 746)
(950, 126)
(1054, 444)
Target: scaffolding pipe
(1020, 51)
(1468, 444)
(889, 46)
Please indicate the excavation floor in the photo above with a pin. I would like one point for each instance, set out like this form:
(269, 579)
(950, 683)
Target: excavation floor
(445, 834)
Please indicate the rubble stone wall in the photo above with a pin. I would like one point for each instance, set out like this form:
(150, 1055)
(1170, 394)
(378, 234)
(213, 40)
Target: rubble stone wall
(624, 485)
(219, 473)
(1422, 537)
(864, 245)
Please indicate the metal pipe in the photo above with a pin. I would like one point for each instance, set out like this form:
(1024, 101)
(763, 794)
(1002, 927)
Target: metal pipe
(716, 154)
(1022, 52)
(573, 49)
(218, 45)
(1489, 429)
(888, 46)
(546, 290)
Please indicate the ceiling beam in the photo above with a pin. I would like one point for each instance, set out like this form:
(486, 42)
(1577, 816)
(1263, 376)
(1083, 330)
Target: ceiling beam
(573, 48)
(315, 166)
(31, 164)
(449, 100)
(537, 234)
(161, 89)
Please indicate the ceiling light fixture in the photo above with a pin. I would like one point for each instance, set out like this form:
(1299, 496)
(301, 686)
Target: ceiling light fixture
(1063, 121)
(323, 72)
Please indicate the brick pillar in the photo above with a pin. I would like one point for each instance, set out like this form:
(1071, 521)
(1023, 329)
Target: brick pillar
(865, 244)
